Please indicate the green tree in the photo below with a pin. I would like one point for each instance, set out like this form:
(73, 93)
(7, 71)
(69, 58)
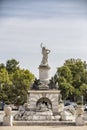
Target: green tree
(2, 66)
(21, 81)
(5, 84)
(14, 82)
(83, 89)
(4, 77)
(65, 72)
(12, 65)
(71, 76)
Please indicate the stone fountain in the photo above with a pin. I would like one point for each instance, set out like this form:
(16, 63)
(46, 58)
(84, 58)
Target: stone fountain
(43, 97)
(43, 101)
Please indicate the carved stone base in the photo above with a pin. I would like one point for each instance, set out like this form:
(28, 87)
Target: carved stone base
(7, 120)
(43, 87)
(47, 97)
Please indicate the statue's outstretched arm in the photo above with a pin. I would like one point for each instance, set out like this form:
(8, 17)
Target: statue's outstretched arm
(41, 45)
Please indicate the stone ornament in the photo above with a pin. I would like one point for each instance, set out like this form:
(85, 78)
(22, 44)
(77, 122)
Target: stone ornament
(68, 113)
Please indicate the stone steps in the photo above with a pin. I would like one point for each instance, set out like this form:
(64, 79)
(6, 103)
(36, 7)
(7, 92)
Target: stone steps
(43, 123)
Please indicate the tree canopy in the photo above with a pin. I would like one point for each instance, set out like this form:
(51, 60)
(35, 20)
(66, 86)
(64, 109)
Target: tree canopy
(14, 82)
(72, 79)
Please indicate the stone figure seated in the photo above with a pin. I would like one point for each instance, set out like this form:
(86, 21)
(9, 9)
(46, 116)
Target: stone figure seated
(42, 106)
(20, 113)
(53, 84)
(36, 84)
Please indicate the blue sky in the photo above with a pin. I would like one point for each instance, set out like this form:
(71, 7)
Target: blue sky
(60, 24)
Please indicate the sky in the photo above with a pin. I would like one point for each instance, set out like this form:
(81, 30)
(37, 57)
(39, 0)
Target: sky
(61, 25)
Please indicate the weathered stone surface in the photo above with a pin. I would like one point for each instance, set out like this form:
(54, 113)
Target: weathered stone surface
(68, 113)
(85, 115)
(45, 113)
(7, 119)
(67, 116)
(60, 107)
(79, 120)
(79, 110)
(51, 95)
(44, 75)
(36, 116)
(57, 117)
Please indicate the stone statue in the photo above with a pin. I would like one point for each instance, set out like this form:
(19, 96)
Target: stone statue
(79, 116)
(20, 113)
(68, 113)
(8, 118)
(45, 53)
(36, 84)
(42, 106)
(7, 111)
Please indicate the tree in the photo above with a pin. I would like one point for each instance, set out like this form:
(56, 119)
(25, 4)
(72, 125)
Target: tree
(83, 89)
(4, 77)
(12, 65)
(22, 80)
(2, 66)
(5, 84)
(14, 82)
(65, 72)
(71, 76)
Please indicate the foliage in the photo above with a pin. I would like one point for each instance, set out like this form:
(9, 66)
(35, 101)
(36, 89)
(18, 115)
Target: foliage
(2, 66)
(12, 65)
(22, 80)
(83, 89)
(79, 102)
(14, 82)
(72, 79)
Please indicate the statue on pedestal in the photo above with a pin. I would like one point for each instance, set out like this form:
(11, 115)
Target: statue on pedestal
(45, 53)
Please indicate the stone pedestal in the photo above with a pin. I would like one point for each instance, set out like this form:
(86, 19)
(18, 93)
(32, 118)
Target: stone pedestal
(79, 120)
(7, 120)
(48, 96)
(44, 74)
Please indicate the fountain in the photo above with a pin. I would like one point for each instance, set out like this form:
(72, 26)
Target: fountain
(43, 98)
(43, 105)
